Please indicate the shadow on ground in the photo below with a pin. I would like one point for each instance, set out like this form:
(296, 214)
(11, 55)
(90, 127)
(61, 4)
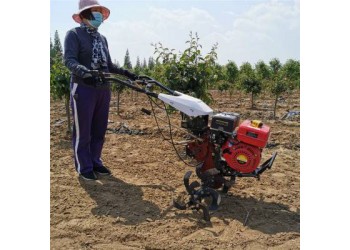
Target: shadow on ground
(266, 217)
(125, 202)
(119, 199)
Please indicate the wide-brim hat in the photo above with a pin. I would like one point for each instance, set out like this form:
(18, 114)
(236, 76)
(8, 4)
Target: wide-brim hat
(88, 4)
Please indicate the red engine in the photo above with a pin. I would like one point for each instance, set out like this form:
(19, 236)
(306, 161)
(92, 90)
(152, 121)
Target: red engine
(230, 148)
(226, 150)
(241, 157)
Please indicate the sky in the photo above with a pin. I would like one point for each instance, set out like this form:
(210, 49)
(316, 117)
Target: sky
(245, 30)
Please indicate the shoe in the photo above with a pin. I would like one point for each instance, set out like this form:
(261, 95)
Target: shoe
(102, 170)
(89, 176)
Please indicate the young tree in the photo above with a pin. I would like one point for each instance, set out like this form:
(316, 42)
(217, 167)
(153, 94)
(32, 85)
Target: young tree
(144, 64)
(275, 65)
(249, 82)
(59, 76)
(277, 88)
(291, 71)
(189, 72)
(278, 84)
(263, 73)
(59, 84)
(57, 47)
(51, 53)
(127, 62)
(137, 68)
(232, 72)
(151, 63)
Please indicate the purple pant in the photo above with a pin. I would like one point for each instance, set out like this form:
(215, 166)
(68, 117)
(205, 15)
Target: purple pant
(90, 118)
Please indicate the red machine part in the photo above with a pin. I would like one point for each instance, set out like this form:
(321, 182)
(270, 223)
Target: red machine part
(202, 152)
(253, 135)
(241, 157)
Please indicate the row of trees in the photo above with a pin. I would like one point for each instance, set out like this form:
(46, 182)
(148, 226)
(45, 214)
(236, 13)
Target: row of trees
(193, 72)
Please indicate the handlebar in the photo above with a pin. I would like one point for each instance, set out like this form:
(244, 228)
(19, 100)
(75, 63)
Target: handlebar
(145, 81)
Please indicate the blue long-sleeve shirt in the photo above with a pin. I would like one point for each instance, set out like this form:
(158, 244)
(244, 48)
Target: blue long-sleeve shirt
(78, 53)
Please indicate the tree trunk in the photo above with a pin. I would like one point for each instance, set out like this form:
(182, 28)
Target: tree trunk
(69, 130)
(252, 100)
(275, 107)
(118, 102)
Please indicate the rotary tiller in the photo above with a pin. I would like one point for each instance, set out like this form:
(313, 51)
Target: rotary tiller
(223, 148)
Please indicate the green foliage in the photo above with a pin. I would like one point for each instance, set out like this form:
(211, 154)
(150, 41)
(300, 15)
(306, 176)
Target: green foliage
(251, 85)
(138, 68)
(249, 82)
(223, 86)
(278, 87)
(57, 47)
(127, 62)
(151, 63)
(246, 70)
(144, 64)
(262, 71)
(51, 48)
(59, 79)
(232, 72)
(291, 72)
(189, 72)
(59, 74)
(275, 65)
(278, 83)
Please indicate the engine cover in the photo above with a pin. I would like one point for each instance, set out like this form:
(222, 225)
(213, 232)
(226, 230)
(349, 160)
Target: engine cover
(241, 157)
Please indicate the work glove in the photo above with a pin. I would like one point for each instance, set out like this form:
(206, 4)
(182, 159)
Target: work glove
(90, 73)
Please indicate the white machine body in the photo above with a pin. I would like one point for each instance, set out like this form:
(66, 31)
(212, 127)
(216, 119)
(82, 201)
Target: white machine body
(189, 105)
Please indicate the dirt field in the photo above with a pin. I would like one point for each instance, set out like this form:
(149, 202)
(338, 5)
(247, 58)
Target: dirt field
(132, 208)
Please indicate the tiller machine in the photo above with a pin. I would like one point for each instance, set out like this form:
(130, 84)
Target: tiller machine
(223, 148)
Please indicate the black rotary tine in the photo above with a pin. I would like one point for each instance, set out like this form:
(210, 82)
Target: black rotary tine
(205, 210)
(216, 198)
(187, 182)
(179, 206)
(194, 185)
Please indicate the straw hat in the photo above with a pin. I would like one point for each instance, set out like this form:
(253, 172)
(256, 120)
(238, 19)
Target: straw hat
(87, 4)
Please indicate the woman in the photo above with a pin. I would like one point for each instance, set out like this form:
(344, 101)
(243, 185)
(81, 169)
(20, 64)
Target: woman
(85, 53)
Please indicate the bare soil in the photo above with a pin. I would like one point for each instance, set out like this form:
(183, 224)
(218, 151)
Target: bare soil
(132, 208)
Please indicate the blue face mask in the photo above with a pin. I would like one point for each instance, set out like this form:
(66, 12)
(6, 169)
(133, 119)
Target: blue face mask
(98, 19)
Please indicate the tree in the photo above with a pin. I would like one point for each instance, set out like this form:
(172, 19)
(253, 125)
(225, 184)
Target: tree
(144, 64)
(232, 72)
(278, 84)
(138, 67)
(275, 65)
(291, 71)
(59, 76)
(127, 62)
(263, 72)
(189, 72)
(57, 47)
(249, 82)
(59, 84)
(278, 87)
(52, 53)
(151, 63)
